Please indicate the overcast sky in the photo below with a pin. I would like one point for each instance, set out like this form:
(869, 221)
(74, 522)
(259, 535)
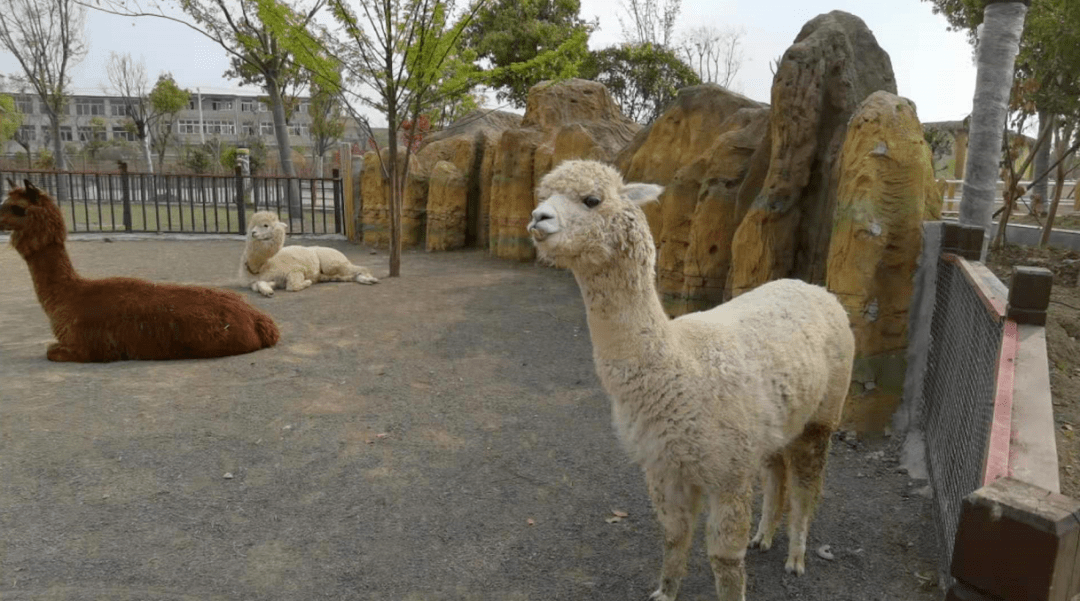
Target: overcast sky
(933, 66)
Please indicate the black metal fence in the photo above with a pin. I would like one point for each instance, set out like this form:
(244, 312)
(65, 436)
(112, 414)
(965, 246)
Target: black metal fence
(189, 204)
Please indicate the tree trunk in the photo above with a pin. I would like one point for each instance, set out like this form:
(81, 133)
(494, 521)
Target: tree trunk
(1012, 181)
(281, 134)
(396, 189)
(58, 158)
(999, 43)
(960, 154)
(1062, 140)
(146, 154)
(319, 165)
(1042, 163)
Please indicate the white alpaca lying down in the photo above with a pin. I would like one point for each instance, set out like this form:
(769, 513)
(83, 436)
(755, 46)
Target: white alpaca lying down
(267, 262)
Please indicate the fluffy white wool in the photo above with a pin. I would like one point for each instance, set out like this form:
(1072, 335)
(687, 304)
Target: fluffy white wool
(704, 401)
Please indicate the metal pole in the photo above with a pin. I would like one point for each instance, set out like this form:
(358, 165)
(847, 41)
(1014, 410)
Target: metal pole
(126, 188)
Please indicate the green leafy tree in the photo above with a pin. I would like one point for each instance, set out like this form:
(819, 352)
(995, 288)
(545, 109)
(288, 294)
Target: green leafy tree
(166, 100)
(1002, 23)
(10, 118)
(643, 79)
(528, 41)
(327, 122)
(127, 79)
(250, 31)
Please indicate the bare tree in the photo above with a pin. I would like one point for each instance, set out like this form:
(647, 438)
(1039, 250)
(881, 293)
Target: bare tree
(128, 80)
(46, 38)
(715, 55)
(649, 21)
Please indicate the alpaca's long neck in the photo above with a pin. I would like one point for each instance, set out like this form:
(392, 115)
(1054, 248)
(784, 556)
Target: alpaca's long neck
(53, 274)
(626, 319)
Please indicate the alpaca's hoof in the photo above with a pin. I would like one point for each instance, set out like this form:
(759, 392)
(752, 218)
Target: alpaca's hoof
(366, 279)
(795, 565)
(760, 541)
(657, 595)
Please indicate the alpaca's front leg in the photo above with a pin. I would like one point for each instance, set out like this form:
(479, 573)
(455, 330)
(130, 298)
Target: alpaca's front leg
(263, 288)
(60, 353)
(677, 505)
(726, 536)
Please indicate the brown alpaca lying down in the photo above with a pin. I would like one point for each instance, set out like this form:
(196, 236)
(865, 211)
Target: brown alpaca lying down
(115, 319)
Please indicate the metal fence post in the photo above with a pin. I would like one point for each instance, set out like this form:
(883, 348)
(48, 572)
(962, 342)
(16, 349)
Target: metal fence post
(241, 216)
(125, 186)
(337, 200)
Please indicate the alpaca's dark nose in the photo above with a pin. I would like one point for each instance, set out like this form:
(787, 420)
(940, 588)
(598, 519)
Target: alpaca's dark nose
(542, 213)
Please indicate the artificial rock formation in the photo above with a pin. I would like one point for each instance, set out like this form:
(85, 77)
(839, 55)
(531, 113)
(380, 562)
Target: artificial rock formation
(375, 200)
(464, 145)
(834, 64)
(886, 190)
(700, 150)
(565, 120)
(447, 207)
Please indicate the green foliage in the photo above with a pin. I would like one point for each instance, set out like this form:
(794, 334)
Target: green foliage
(44, 159)
(1048, 65)
(10, 118)
(327, 120)
(167, 98)
(256, 156)
(643, 79)
(528, 41)
(198, 159)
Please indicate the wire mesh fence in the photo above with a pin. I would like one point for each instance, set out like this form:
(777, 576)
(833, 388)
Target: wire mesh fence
(959, 391)
(189, 204)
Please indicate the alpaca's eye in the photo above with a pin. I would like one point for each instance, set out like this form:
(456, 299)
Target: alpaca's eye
(591, 201)
(18, 211)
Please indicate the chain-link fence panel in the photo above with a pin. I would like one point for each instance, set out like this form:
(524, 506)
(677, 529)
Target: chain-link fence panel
(959, 395)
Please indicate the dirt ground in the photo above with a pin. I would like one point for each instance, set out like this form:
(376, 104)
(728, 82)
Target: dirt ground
(1063, 346)
(437, 436)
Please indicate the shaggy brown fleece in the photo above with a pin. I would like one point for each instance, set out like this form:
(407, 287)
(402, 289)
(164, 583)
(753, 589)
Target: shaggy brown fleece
(116, 319)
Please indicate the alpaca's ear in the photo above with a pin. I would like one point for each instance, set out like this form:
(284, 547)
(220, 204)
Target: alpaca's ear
(32, 191)
(642, 193)
(282, 226)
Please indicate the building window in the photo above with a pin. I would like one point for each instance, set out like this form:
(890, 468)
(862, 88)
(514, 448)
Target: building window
(221, 105)
(119, 132)
(65, 133)
(248, 129)
(299, 129)
(27, 133)
(25, 104)
(88, 133)
(219, 126)
(247, 106)
(188, 126)
(266, 128)
(119, 108)
(90, 106)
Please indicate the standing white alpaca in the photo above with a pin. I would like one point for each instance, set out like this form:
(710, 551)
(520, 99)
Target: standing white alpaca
(703, 402)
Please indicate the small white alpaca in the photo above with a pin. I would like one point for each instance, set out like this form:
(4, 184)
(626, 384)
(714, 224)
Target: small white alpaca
(705, 402)
(267, 262)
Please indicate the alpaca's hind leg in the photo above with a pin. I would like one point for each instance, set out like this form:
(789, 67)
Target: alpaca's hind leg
(774, 498)
(726, 536)
(807, 455)
(295, 281)
(677, 505)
